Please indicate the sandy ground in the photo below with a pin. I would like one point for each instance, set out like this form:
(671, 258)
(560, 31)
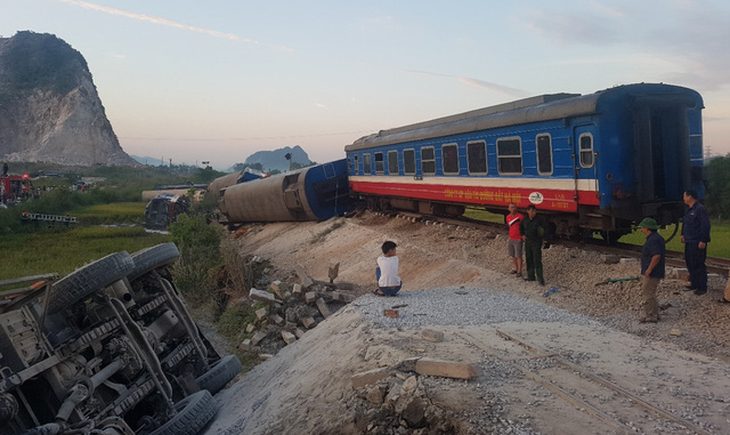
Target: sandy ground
(678, 365)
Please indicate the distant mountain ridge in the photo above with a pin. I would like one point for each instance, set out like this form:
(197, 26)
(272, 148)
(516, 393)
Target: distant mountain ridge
(49, 107)
(276, 159)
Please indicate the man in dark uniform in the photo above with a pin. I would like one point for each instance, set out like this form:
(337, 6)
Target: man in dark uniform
(532, 229)
(652, 268)
(695, 236)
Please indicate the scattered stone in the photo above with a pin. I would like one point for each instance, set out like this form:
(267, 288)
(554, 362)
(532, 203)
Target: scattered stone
(303, 277)
(370, 377)
(288, 337)
(308, 322)
(299, 333)
(323, 308)
(245, 345)
(376, 395)
(390, 313)
(250, 328)
(675, 332)
(415, 413)
(265, 356)
(257, 337)
(276, 287)
(310, 297)
(629, 261)
(610, 259)
(296, 288)
(263, 296)
(410, 385)
(447, 369)
(334, 270)
(261, 313)
(276, 319)
(431, 335)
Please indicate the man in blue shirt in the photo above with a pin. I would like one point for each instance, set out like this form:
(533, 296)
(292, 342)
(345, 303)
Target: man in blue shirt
(652, 269)
(695, 236)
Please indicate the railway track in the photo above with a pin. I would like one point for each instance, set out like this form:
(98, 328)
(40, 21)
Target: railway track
(623, 412)
(718, 265)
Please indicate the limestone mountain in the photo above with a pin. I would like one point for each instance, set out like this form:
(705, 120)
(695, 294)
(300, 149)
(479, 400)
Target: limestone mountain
(276, 159)
(49, 108)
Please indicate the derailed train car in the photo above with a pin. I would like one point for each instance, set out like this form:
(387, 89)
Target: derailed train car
(314, 193)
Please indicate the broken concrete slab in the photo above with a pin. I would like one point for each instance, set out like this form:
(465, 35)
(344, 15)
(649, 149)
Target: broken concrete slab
(303, 277)
(308, 322)
(432, 335)
(263, 296)
(276, 288)
(447, 369)
(257, 337)
(370, 377)
(296, 288)
(288, 337)
(261, 313)
(323, 308)
(310, 297)
(245, 345)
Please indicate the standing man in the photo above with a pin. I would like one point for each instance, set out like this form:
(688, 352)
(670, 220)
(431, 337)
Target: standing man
(532, 229)
(695, 236)
(652, 268)
(514, 247)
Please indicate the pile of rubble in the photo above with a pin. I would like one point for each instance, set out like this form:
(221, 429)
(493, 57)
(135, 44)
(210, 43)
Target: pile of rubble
(291, 308)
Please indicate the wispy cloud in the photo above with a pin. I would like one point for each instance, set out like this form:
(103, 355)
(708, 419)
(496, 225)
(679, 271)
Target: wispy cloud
(511, 92)
(320, 106)
(154, 20)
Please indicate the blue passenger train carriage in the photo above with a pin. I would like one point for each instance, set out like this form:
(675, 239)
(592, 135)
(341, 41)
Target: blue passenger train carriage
(597, 162)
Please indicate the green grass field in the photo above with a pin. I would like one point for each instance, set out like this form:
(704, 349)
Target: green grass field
(115, 213)
(719, 233)
(24, 255)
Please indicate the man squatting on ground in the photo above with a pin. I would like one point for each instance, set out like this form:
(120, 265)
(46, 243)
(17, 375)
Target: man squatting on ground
(532, 229)
(695, 236)
(389, 282)
(514, 246)
(652, 268)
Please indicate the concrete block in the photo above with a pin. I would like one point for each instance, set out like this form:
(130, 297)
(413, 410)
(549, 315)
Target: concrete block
(250, 328)
(261, 313)
(263, 296)
(370, 377)
(299, 333)
(303, 277)
(276, 319)
(257, 337)
(334, 270)
(308, 322)
(276, 288)
(288, 337)
(296, 288)
(245, 345)
(610, 259)
(629, 261)
(431, 335)
(323, 308)
(310, 297)
(447, 369)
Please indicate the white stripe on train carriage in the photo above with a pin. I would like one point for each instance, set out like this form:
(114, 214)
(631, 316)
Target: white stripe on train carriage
(584, 184)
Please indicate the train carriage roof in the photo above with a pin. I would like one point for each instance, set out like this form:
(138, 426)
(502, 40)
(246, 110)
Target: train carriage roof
(533, 109)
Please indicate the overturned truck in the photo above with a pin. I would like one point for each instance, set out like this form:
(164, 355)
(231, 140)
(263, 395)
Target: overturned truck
(109, 349)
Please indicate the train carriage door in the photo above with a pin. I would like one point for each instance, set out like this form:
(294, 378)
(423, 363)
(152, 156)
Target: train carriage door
(586, 182)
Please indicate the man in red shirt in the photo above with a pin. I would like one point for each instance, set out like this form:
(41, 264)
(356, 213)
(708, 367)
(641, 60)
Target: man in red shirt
(514, 248)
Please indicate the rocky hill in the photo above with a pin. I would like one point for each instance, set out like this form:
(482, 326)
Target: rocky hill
(276, 159)
(49, 108)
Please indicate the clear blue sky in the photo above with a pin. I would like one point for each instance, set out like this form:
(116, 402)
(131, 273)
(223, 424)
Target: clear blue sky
(218, 80)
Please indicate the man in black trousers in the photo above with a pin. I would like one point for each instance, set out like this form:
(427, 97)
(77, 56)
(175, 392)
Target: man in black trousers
(695, 236)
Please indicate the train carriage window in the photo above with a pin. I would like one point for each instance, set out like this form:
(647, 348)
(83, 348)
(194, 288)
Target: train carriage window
(409, 162)
(393, 162)
(450, 159)
(379, 164)
(428, 161)
(509, 156)
(544, 150)
(586, 150)
(357, 165)
(476, 153)
(367, 167)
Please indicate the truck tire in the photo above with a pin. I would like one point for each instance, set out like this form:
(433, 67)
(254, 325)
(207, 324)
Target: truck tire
(151, 258)
(220, 373)
(89, 279)
(193, 413)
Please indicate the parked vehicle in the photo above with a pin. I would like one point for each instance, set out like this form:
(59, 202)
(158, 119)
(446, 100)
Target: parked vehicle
(109, 349)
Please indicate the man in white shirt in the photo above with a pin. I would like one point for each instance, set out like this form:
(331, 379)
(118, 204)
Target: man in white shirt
(389, 282)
